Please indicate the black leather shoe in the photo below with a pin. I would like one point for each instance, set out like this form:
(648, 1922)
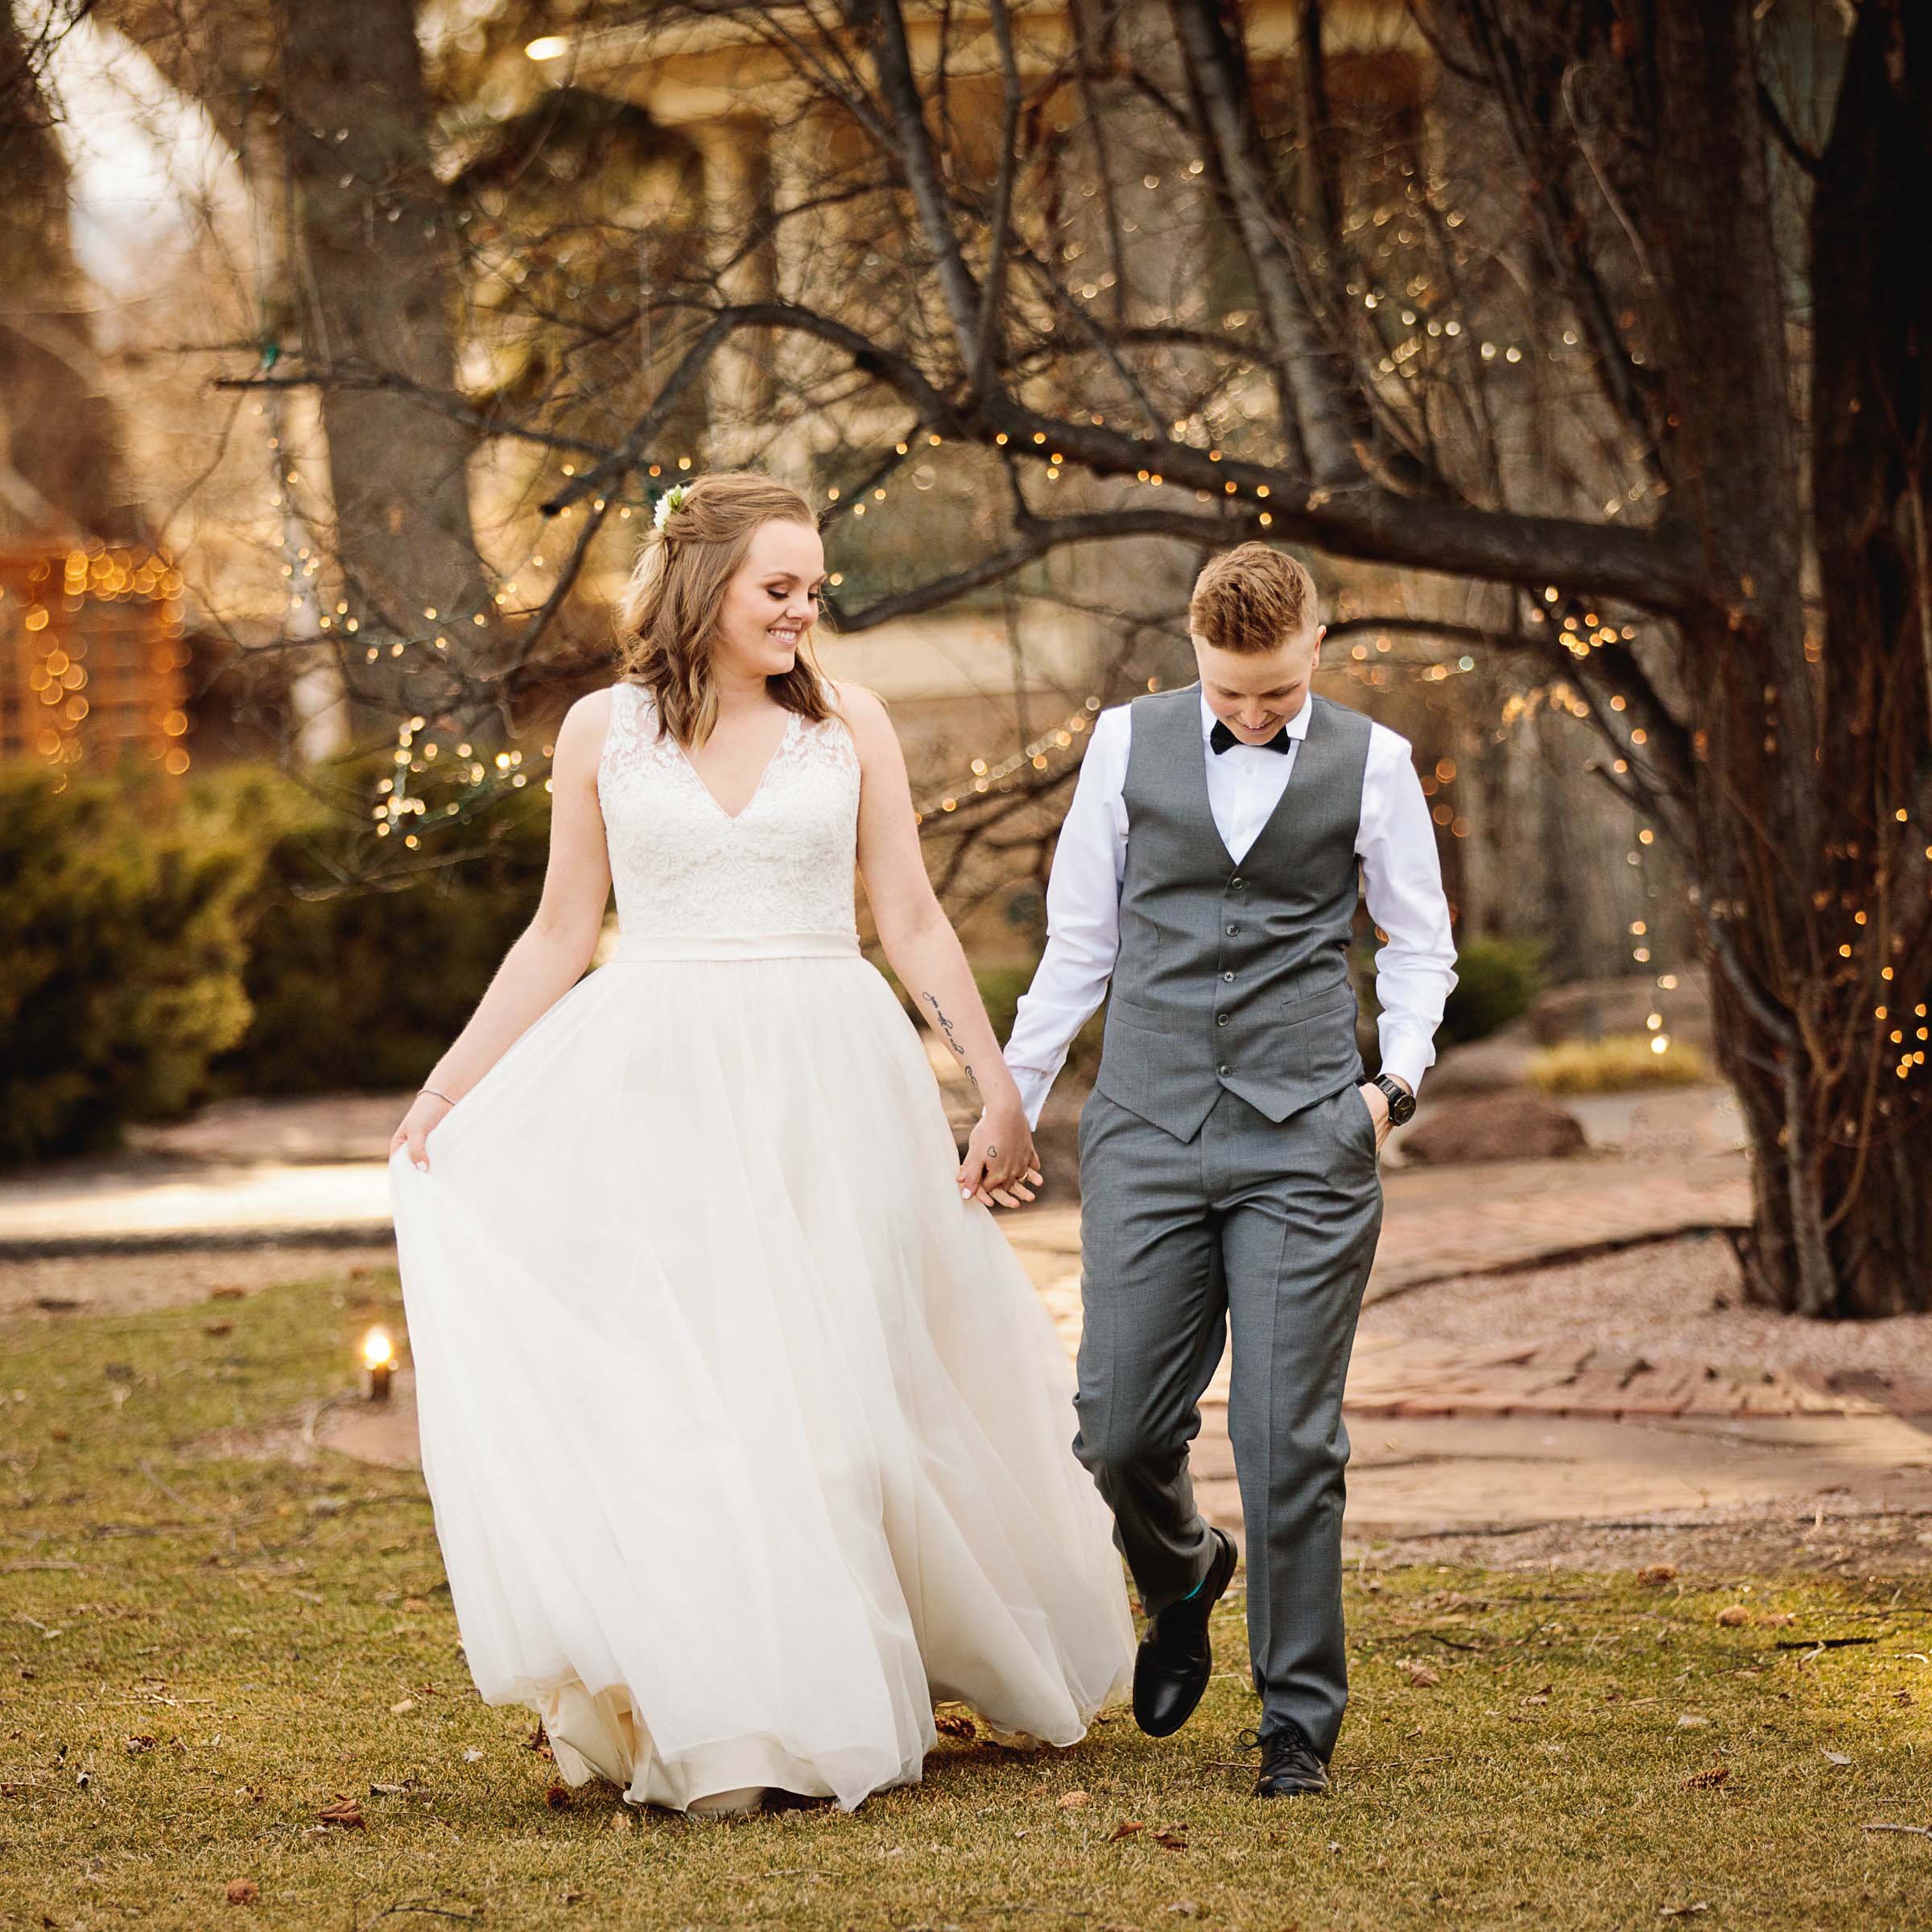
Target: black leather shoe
(1174, 1661)
(1290, 1767)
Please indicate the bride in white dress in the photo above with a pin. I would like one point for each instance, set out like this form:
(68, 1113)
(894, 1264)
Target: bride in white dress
(747, 1436)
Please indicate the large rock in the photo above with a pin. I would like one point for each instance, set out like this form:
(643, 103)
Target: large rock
(1494, 1065)
(1585, 1010)
(1517, 1126)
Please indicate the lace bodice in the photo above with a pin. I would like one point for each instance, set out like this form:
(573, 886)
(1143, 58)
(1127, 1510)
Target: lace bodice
(683, 865)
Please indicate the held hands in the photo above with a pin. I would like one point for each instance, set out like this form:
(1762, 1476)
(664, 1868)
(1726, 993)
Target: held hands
(1000, 1158)
(424, 1112)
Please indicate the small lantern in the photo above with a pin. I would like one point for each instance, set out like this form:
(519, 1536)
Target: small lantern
(379, 1358)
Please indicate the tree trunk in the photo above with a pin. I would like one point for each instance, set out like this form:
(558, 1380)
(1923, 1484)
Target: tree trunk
(1808, 822)
(376, 298)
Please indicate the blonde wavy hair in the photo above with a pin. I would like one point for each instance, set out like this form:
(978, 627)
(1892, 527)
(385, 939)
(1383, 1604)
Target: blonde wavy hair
(667, 615)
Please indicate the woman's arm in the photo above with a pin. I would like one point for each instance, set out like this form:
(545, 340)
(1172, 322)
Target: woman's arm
(924, 951)
(550, 954)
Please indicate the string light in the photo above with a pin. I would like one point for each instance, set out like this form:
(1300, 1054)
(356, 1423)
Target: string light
(985, 776)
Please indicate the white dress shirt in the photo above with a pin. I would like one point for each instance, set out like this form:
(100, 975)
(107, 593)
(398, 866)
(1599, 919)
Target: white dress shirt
(1400, 875)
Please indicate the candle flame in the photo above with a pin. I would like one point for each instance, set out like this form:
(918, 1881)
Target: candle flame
(378, 1350)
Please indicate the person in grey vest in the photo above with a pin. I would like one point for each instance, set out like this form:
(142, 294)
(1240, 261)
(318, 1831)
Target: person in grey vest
(1210, 866)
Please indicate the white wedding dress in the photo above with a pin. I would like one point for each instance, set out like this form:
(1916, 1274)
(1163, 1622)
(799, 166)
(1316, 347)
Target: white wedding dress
(748, 1439)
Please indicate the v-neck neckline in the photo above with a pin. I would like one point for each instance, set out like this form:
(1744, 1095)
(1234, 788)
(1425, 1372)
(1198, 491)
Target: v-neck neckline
(1280, 804)
(731, 818)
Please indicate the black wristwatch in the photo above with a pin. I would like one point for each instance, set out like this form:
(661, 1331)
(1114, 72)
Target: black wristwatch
(1401, 1102)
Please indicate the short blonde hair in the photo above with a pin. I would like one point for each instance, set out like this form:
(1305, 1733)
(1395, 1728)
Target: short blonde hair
(1253, 599)
(667, 615)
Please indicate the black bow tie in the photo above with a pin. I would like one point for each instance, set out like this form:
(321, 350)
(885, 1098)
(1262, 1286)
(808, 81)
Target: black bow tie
(1221, 737)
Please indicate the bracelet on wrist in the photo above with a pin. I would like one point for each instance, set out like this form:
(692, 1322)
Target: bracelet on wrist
(436, 1093)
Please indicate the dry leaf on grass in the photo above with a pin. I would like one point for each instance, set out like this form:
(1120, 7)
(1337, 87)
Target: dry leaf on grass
(1691, 1721)
(1072, 1801)
(1653, 1576)
(1172, 1837)
(401, 1706)
(539, 1741)
(243, 1892)
(136, 1745)
(1733, 1614)
(557, 1796)
(1126, 1829)
(1707, 1781)
(1836, 1757)
(1418, 1672)
(345, 1812)
(955, 1724)
(1681, 1911)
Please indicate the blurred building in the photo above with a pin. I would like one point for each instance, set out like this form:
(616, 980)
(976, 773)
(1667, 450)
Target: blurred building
(94, 667)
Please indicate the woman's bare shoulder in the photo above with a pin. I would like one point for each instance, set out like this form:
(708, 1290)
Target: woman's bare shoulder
(861, 707)
(580, 736)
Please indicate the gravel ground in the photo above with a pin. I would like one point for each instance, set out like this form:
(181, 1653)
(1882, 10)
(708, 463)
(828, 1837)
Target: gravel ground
(1667, 1298)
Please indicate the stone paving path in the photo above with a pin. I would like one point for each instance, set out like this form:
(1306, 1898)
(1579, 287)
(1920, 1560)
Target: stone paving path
(1445, 1436)
(1440, 1224)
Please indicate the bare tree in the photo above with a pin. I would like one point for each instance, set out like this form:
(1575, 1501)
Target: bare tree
(1599, 330)
(1720, 541)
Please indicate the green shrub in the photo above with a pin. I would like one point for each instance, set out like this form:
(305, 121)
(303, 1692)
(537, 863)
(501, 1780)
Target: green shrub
(1497, 981)
(360, 984)
(121, 957)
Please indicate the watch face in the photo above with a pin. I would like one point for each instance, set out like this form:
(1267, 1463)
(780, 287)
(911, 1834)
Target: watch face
(1402, 1103)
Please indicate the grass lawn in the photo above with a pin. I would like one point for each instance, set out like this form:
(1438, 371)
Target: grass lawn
(206, 1645)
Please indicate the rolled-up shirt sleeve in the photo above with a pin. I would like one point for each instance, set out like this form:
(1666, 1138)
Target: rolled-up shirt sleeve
(1083, 918)
(1402, 882)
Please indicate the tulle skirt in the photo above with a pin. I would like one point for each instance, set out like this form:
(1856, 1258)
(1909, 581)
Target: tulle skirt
(747, 1440)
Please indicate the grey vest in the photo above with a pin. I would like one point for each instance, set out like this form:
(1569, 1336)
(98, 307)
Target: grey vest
(1234, 976)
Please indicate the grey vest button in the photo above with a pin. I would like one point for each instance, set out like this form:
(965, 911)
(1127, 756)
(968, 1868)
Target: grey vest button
(1224, 1066)
(1227, 976)
(1233, 931)
(1237, 883)
(1220, 1019)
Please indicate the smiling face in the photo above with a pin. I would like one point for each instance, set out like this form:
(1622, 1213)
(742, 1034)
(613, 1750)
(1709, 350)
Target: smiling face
(1254, 693)
(773, 601)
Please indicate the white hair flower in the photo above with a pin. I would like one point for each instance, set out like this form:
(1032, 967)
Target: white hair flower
(673, 499)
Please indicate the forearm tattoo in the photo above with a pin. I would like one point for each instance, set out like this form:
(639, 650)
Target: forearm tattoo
(951, 1038)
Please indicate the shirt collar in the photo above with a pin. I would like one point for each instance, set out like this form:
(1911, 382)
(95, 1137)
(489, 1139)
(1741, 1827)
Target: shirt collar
(1297, 726)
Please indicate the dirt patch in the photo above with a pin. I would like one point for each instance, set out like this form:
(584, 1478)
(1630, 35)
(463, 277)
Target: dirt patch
(129, 1284)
